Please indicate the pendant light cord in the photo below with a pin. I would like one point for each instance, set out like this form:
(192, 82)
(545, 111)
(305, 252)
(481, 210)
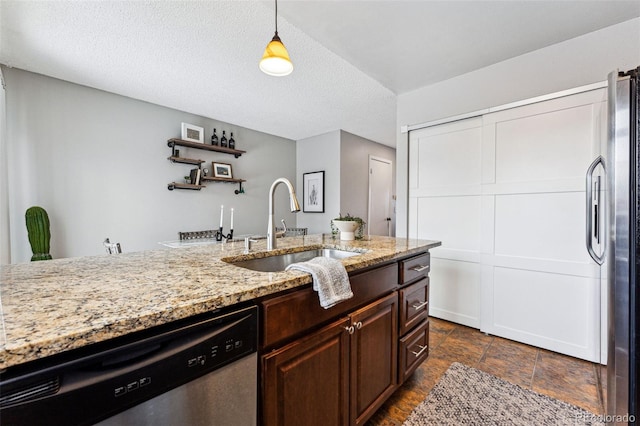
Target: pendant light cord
(276, 17)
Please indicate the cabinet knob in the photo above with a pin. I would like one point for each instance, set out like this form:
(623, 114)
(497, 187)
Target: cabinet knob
(358, 325)
(350, 329)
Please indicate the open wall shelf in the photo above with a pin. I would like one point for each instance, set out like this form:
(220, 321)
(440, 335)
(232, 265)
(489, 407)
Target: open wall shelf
(180, 142)
(176, 185)
(174, 142)
(226, 180)
(185, 160)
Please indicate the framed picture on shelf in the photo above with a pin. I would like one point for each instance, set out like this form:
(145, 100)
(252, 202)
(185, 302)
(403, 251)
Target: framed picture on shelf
(222, 170)
(192, 133)
(313, 192)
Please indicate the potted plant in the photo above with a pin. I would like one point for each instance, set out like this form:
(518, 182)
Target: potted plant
(350, 227)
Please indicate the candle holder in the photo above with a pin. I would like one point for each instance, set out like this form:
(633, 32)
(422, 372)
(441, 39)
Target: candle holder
(220, 235)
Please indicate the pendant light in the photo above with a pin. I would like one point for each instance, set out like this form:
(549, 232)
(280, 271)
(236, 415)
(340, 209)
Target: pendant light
(275, 60)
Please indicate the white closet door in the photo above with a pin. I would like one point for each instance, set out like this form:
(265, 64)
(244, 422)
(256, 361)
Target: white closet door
(539, 285)
(505, 193)
(444, 202)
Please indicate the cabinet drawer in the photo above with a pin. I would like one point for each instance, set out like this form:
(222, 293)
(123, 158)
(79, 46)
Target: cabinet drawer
(414, 305)
(291, 314)
(413, 268)
(414, 348)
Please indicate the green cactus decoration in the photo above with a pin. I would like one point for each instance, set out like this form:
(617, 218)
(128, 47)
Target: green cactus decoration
(39, 233)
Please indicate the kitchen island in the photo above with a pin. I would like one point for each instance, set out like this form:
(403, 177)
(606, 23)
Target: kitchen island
(51, 307)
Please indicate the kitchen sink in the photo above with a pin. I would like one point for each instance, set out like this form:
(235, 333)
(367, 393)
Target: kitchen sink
(280, 262)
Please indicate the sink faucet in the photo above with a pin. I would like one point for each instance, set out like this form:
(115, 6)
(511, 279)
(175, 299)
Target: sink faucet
(295, 207)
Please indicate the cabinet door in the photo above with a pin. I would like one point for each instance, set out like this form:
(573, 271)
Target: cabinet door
(307, 381)
(374, 355)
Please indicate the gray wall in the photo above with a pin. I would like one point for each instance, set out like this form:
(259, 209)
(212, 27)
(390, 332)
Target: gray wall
(354, 172)
(315, 154)
(97, 162)
(344, 157)
(580, 61)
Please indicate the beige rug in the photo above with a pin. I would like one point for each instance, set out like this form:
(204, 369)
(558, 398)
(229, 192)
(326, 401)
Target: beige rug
(467, 396)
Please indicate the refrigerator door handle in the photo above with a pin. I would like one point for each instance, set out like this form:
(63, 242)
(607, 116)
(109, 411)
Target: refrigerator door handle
(590, 207)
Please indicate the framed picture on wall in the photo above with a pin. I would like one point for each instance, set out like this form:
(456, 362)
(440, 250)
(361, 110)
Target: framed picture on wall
(313, 192)
(192, 133)
(222, 170)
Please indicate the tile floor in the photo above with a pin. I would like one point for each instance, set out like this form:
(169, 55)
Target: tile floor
(568, 379)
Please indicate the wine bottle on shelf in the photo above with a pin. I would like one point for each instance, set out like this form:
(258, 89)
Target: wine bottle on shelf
(232, 142)
(223, 140)
(214, 138)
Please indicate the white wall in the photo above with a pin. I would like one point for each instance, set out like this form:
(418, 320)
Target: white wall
(576, 62)
(97, 162)
(354, 172)
(316, 154)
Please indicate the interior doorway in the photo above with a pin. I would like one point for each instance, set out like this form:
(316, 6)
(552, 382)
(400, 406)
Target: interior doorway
(379, 218)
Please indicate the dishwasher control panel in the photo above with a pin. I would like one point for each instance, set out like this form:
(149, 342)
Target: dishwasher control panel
(218, 353)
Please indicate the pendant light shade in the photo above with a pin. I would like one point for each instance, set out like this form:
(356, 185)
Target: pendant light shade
(275, 60)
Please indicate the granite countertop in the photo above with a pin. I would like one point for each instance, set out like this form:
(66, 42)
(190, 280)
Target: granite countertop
(49, 307)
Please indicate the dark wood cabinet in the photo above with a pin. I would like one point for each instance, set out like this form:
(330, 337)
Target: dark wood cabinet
(307, 381)
(373, 357)
(413, 344)
(293, 314)
(414, 304)
(338, 375)
(337, 366)
(413, 350)
(415, 267)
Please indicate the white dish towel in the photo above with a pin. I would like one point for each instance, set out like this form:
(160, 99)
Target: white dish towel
(330, 279)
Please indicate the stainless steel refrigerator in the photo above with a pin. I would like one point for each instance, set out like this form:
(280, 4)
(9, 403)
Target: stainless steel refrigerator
(621, 234)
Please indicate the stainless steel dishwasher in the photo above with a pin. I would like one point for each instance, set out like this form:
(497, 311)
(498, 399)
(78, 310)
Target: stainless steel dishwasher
(194, 373)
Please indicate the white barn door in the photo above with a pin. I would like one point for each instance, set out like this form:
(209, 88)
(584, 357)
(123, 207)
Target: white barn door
(444, 204)
(505, 192)
(539, 285)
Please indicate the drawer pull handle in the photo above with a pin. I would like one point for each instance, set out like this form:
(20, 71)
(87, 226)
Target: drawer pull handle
(422, 349)
(358, 325)
(420, 306)
(350, 329)
(419, 268)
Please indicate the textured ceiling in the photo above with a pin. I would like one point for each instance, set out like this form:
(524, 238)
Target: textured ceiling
(406, 45)
(199, 57)
(202, 56)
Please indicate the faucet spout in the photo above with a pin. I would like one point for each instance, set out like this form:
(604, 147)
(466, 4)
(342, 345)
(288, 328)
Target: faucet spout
(295, 207)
